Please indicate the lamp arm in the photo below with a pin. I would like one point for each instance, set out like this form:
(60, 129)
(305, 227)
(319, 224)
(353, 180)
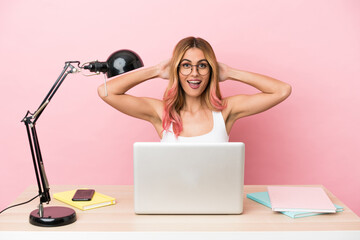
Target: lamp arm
(52, 215)
(68, 68)
(30, 122)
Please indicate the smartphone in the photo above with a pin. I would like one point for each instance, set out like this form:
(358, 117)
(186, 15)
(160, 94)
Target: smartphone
(83, 195)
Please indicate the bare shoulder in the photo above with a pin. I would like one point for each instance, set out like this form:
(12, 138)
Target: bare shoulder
(231, 103)
(229, 112)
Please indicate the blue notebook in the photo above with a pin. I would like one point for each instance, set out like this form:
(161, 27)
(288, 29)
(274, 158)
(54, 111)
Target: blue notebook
(263, 198)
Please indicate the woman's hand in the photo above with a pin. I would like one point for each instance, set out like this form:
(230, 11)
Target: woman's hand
(163, 69)
(223, 71)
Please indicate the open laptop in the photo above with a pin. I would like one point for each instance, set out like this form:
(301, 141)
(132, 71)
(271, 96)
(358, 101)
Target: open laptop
(188, 178)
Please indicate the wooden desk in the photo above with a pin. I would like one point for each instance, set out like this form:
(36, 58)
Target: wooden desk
(121, 218)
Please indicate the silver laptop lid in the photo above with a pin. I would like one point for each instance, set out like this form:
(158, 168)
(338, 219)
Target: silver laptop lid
(188, 178)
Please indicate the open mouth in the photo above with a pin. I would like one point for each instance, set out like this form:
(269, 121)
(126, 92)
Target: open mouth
(194, 84)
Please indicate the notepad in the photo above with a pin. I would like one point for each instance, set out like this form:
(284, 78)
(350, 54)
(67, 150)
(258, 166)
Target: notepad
(300, 199)
(263, 198)
(98, 200)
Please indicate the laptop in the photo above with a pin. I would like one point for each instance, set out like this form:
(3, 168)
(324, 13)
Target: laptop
(188, 178)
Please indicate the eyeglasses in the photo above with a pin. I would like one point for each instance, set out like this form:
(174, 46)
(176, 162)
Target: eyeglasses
(202, 68)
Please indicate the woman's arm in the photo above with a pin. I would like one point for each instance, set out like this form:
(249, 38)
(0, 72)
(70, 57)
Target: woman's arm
(272, 92)
(140, 107)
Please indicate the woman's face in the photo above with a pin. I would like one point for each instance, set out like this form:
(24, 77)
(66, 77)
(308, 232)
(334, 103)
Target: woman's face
(194, 79)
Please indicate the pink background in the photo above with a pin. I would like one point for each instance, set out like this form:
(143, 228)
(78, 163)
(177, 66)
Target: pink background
(312, 138)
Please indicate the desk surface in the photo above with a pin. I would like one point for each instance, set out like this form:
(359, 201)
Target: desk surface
(121, 217)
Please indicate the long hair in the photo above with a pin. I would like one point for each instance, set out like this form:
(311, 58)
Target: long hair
(174, 96)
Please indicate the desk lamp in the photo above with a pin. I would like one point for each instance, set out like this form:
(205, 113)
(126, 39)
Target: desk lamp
(118, 63)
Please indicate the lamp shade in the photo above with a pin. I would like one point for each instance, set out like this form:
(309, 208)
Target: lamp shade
(119, 62)
(122, 61)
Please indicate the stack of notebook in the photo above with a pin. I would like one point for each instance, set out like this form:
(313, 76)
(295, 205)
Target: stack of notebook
(296, 202)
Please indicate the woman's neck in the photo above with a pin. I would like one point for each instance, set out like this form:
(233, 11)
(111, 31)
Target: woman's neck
(193, 105)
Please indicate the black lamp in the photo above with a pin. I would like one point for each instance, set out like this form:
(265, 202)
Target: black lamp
(118, 63)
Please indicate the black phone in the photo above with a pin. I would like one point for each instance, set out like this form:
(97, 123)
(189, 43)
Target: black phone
(83, 195)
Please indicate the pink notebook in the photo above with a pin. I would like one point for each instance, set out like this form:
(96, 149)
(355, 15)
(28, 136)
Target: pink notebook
(300, 199)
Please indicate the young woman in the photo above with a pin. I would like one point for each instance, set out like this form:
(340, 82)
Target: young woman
(192, 109)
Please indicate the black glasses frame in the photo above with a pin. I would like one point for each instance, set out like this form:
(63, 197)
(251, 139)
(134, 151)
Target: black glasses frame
(197, 69)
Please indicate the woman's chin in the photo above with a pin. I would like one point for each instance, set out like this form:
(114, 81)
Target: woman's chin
(194, 94)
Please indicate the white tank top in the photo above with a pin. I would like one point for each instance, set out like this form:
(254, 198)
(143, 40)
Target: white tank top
(217, 134)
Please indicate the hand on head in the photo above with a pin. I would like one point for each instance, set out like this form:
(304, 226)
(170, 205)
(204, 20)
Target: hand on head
(164, 69)
(223, 72)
